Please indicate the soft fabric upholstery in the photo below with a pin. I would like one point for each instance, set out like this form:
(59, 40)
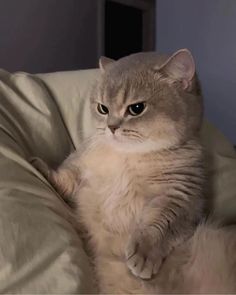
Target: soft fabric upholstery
(48, 116)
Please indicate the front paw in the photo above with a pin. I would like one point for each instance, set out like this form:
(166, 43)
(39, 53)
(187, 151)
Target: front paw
(144, 254)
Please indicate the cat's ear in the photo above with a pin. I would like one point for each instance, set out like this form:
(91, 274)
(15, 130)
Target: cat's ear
(104, 62)
(180, 66)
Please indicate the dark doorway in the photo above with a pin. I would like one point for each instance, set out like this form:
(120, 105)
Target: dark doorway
(123, 30)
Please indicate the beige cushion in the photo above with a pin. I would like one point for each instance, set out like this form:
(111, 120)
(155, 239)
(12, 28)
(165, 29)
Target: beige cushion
(221, 168)
(48, 116)
(40, 251)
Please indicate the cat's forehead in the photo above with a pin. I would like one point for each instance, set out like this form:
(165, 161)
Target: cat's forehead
(141, 60)
(121, 91)
(133, 66)
(130, 78)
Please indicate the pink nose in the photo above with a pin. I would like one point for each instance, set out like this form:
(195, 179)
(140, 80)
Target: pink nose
(113, 128)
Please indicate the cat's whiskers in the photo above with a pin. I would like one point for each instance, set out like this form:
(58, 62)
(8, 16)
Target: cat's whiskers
(133, 135)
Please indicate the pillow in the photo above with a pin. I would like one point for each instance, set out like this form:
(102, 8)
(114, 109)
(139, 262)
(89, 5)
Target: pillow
(48, 116)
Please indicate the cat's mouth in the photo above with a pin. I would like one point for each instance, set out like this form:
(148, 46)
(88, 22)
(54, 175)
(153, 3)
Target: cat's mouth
(123, 136)
(129, 142)
(125, 140)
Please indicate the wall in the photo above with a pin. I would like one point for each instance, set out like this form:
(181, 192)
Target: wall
(208, 29)
(47, 35)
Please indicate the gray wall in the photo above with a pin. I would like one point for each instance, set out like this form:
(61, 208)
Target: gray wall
(48, 35)
(208, 29)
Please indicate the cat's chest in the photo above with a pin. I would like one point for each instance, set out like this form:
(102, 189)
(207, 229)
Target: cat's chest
(112, 193)
(104, 167)
(114, 174)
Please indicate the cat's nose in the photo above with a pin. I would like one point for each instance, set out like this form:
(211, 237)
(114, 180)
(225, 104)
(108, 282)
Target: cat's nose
(113, 128)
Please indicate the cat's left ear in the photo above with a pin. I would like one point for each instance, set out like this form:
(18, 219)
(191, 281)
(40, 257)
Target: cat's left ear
(104, 62)
(180, 66)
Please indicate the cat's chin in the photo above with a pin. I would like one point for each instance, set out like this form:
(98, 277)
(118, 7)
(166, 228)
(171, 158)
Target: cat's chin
(125, 144)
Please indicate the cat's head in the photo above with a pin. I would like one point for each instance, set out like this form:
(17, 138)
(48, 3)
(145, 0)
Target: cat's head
(147, 101)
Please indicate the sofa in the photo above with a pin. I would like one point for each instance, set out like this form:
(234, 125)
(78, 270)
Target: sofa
(47, 116)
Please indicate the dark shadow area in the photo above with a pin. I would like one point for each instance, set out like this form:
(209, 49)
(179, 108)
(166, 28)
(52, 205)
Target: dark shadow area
(123, 30)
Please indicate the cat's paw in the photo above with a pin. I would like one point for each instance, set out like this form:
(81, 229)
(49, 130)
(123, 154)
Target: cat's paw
(143, 254)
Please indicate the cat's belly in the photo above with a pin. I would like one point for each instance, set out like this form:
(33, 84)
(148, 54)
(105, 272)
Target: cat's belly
(108, 216)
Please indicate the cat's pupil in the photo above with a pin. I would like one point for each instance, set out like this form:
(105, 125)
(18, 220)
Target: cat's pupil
(102, 109)
(136, 109)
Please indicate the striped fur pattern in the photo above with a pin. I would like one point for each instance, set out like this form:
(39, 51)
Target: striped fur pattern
(139, 191)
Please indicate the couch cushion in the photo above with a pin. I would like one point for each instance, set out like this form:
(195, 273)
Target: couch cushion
(40, 251)
(48, 116)
(221, 168)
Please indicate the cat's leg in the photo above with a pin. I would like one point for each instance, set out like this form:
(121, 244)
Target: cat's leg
(160, 229)
(65, 179)
(144, 251)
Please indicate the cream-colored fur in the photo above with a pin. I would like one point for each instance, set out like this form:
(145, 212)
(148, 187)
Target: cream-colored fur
(110, 203)
(139, 189)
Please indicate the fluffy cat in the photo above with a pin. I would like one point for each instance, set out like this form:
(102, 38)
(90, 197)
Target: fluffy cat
(138, 183)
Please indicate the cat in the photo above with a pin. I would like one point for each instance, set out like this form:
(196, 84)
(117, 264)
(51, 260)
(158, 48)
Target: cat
(138, 182)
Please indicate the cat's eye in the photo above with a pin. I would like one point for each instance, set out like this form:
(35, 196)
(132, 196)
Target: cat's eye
(102, 109)
(136, 109)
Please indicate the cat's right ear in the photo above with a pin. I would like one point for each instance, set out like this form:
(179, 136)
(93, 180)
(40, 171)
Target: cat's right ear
(180, 66)
(104, 62)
